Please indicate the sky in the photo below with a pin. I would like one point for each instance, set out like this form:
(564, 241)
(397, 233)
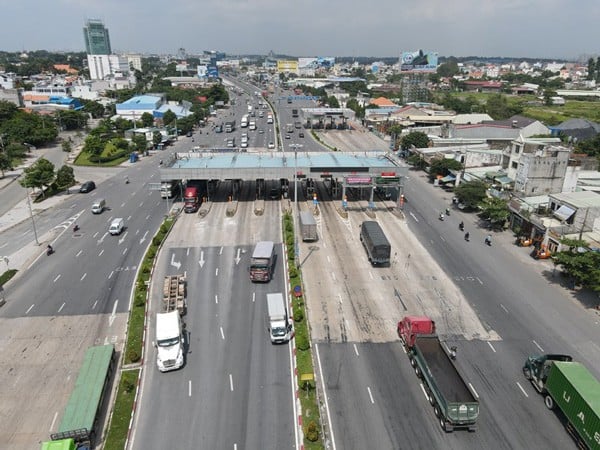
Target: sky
(562, 29)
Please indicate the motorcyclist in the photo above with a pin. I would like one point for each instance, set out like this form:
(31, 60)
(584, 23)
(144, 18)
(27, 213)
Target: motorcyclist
(441, 216)
(461, 226)
(467, 236)
(75, 228)
(49, 250)
(488, 239)
(447, 211)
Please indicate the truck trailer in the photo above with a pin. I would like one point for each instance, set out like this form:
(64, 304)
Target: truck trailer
(280, 328)
(174, 294)
(454, 404)
(376, 244)
(571, 387)
(308, 226)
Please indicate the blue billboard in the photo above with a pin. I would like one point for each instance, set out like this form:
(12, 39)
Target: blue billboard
(418, 61)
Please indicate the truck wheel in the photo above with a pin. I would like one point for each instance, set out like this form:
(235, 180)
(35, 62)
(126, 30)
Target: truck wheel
(413, 362)
(418, 372)
(549, 401)
(527, 373)
(436, 411)
(430, 396)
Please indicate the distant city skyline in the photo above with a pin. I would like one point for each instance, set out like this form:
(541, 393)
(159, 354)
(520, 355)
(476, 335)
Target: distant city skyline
(544, 29)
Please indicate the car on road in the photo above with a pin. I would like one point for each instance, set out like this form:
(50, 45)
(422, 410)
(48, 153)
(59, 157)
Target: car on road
(301, 134)
(261, 131)
(88, 186)
(287, 136)
(189, 134)
(271, 145)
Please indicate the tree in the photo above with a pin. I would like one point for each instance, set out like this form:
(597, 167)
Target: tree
(94, 145)
(333, 102)
(495, 210)
(416, 138)
(417, 162)
(65, 177)
(66, 146)
(71, 120)
(548, 94)
(580, 264)
(442, 167)
(471, 193)
(147, 119)
(156, 138)
(5, 162)
(94, 108)
(39, 175)
(139, 142)
(353, 104)
(169, 117)
(449, 68)
(497, 106)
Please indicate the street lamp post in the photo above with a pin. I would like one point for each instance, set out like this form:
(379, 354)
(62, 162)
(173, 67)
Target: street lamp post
(32, 219)
(295, 147)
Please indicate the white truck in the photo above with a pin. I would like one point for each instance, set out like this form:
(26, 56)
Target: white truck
(167, 189)
(169, 341)
(269, 118)
(280, 327)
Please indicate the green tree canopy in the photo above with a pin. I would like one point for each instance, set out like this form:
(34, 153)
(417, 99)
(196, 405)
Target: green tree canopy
(471, 193)
(147, 119)
(65, 177)
(580, 264)
(139, 142)
(353, 104)
(497, 107)
(442, 167)
(94, 108)
(333, 102)
(169, 118)
(39, 175)
(94, 144)
(449, 68)
(71, 120)
(416, 138)
(495, 210)
(156, 138)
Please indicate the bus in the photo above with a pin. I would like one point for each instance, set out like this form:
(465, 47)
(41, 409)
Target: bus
(80, 419)
(262, 261)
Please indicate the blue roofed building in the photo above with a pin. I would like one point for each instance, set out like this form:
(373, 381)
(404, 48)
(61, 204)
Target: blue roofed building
(155, 104)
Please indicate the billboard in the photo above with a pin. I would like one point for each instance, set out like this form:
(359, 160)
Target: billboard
(287, 66)
(212, 72)
(202, 71)
(316, 63)
(418, 61)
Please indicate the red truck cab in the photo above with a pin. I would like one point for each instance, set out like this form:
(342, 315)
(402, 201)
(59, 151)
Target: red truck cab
(191, 200)
(411, 326)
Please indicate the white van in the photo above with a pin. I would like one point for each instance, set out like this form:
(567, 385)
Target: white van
(169, 341)
(98, 206)
(116, 226)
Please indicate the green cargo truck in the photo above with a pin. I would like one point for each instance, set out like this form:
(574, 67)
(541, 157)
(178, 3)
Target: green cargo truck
(454, 404)
(573, 389)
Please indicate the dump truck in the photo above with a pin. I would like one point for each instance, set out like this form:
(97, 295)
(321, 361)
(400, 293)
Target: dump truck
(308, 226)
(571, 387)
(376, 244)
(454, 404)
(174, 294)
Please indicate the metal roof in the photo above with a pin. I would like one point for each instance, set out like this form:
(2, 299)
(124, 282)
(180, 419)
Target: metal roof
(275, 165)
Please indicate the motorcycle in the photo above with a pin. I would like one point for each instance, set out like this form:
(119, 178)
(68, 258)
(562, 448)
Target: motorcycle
(441, 216)
(488, 240)
(461, 226)
(49, 250)
(467, 237)
(75, 228)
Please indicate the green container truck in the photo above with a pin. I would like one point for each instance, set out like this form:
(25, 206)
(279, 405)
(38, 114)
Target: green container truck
(573, 389)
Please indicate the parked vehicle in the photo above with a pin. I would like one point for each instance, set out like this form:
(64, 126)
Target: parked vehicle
(376, 244)
(98, 206)
(262, 261)
(174, 294)
(86, 187)
(454, 404)
(169, 341)
(116, 226)
(191, 199)
(230, 126)
(308, 226)
(571, 387)
(280, 327)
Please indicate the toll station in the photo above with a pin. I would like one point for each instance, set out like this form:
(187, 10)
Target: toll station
(339, 171)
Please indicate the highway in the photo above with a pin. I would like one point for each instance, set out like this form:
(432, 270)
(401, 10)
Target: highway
(235, 389)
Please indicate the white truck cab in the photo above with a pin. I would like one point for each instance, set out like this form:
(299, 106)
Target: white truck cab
(169, 341)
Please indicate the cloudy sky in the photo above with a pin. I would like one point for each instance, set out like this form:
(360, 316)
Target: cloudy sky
(518, 28)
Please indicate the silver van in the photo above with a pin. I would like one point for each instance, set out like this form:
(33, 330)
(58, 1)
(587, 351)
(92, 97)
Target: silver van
(98, 206)
(116, 226)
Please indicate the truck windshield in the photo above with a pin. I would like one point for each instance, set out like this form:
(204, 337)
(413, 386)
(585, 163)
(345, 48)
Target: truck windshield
(260, 263)
(168, 342)
(278, 331)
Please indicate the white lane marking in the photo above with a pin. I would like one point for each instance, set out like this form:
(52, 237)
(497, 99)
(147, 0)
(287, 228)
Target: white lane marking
(413, 216)
(370, 395)
(147, 217)
(122, 204)
(442, 238)
(480, 282)
(189, 388)
(231, 382)
(221, 251)
(187, 253)
(78, 253)
(222, 333)
(113, 315)
(83, 277)
(504, 308)
(94, 305)
(101, 251)
(141, 204)
(424, 392)
(491, 346)
(95, 234)
(216, 299)
(29, 309)
(371, 275)
(331, 435)
(340, 298)
(111, 274)
(522, 390)
(56, 279)
(328, 259)
(53, 421)
(217, 272)
(474, 391)
(356, 350)
(333, 276)
(128, 218)
(253, 297)
(125, 251)
(538, 346)
(61, 307)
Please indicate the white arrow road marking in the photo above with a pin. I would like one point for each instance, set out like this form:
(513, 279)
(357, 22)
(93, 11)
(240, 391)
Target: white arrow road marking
(113, 315)
(201, 262)
(143, 238)
(101, 240)
(175, 263)
(237, 258)
(123, 238)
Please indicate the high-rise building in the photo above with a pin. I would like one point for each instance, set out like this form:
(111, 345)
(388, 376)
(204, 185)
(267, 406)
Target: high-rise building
(97, 41)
